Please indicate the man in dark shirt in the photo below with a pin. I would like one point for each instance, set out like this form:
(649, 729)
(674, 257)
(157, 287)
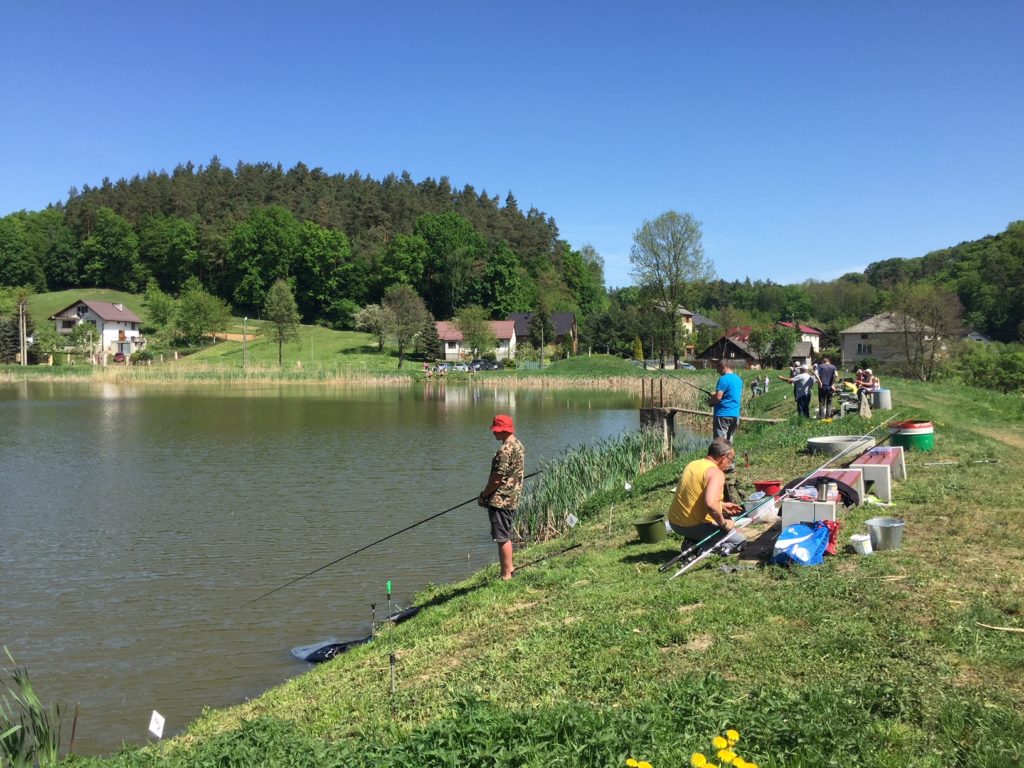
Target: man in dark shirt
(826, 377)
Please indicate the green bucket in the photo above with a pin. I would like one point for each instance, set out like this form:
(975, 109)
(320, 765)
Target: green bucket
(651, 530)
(913, 435)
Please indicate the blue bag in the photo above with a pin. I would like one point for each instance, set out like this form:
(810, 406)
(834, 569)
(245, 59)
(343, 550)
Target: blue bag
(801, 545)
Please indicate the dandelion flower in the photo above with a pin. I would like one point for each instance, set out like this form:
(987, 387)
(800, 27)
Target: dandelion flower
(733, 736)
(739, 762)
(726, 755)
(697, 760)
(719, 743)
(632, 763)
(644, 764)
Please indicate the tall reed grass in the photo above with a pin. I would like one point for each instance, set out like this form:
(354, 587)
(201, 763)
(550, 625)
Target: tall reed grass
(569, 480)
(29, 731)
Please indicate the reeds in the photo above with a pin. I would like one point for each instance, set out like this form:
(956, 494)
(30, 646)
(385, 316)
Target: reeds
(29, 732)
(569, 480)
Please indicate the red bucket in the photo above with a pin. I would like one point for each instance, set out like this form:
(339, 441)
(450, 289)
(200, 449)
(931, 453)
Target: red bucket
(770, 487)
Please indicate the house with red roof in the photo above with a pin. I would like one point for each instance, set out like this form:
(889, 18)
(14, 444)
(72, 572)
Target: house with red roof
(454, 348)
(806, 334)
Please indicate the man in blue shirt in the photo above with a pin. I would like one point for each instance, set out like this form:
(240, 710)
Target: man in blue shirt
(726, 402)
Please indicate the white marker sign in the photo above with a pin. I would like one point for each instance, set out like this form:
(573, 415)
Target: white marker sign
(156, 724)
(571, 519)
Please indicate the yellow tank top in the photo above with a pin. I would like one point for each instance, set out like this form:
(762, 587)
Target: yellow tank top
(688, 506)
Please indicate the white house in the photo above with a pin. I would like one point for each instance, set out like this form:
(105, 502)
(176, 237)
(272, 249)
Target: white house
(117, 328)
(454, 349)
(805, 334)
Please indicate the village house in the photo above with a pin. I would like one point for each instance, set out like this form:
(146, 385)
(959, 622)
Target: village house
(732, 349)
(117, 328)
(805, 334)
(884, 338)
(564, 324)
(455, 350)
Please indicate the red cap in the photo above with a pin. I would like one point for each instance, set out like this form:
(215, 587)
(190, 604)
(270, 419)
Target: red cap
(502, 423)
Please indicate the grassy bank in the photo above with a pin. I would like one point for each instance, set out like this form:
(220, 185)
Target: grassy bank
(591, 657)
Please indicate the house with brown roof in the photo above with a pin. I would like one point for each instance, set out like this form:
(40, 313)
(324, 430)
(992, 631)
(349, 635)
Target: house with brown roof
(564, 324)
(454, 347)
(118, 329)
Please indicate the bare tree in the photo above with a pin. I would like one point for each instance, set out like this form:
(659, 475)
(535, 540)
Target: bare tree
(928, 319)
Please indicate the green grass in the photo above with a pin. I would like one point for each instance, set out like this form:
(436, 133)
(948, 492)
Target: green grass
(592, 657)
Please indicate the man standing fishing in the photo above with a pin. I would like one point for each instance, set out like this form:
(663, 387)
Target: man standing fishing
(503, 489)
(726, 402)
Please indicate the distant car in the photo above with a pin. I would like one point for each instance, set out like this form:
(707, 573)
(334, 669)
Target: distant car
(119, 357)
(687, 367)
(491, 365)
(461, 367)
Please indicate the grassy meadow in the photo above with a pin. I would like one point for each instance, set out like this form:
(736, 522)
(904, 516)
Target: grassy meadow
(592, 657)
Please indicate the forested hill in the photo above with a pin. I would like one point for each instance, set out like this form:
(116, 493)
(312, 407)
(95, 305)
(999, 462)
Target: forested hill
(987, 275)
(342, 239)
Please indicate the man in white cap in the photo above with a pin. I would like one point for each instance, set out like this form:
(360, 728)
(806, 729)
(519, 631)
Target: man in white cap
(803, 384)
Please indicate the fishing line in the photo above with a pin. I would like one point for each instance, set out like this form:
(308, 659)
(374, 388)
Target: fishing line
(373, 544)
(677, 377)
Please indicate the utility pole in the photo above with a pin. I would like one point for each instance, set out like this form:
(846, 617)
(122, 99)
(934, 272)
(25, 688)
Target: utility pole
(22, 331)
(542, 345)
(245, 337)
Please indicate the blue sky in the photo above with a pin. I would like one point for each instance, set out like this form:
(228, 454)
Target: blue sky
(810, 138)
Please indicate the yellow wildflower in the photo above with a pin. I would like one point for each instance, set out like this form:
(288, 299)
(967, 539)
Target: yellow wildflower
(644, 764)
(739, 762)
(733, 736)
(726, 755)
(697, 760)
(719, 743)
(632, 763)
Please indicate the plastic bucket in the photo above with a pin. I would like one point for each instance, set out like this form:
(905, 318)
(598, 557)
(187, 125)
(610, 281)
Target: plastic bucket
(768, 487)
(886, 532)
(913, 435)
(881, 400)
(861, 543)
(651, 530)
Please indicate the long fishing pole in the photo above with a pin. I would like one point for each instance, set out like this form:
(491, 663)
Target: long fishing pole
(854, 445)
(677, 377)
(373, 544)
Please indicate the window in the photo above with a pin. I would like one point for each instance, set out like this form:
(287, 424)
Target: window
(81, 310)
(863, 349)
(864, 335)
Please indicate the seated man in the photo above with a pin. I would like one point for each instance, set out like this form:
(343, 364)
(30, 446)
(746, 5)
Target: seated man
(698, 509)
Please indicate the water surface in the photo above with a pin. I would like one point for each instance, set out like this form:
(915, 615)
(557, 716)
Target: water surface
(137, 522)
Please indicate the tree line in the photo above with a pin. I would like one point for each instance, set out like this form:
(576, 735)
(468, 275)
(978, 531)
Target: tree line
(341, 241)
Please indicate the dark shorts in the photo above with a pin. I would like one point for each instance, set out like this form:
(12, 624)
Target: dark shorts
(724, 426)
(501, 523)
(696, 533)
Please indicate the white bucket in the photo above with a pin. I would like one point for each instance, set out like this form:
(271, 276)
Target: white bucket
(861, 543)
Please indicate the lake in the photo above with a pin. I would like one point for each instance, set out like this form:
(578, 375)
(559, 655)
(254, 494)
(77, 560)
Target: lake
(138, 521)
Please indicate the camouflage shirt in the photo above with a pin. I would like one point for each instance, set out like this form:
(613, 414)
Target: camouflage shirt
(510, 463)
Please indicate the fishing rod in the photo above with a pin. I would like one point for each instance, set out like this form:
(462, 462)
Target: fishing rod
(677, 377)
(373, 544)
(856, 444)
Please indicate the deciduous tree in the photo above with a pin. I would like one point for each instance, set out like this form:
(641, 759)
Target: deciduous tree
(409, 315)
(668, 258)
(477, 334)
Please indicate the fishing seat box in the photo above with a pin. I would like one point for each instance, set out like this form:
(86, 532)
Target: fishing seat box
(882, 465)
(794, 511)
